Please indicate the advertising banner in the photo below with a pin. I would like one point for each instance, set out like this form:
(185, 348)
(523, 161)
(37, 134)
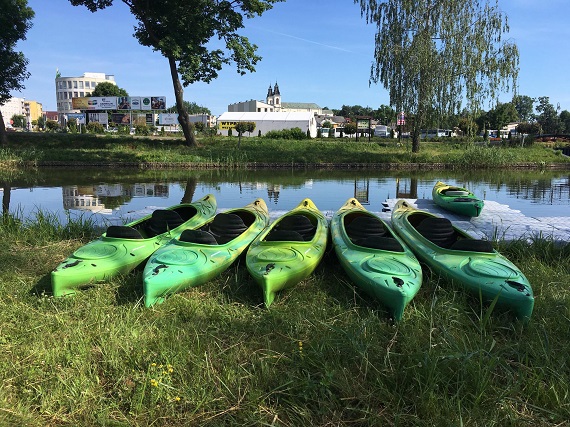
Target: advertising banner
(121, 119)
(94, 103)
(145, 103)
(168, 119)
(123, 103)
(80, 117)
(102, 118)
(135, 103)
(158, 102)
(362, 124)
(227, 125)
(149, 118)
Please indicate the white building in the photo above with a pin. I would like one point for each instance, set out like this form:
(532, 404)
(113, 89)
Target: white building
(14, 106)
(264, 122)
(67, 88)
(274, 103)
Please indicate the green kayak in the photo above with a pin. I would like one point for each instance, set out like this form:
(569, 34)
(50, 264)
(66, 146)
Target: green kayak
(289, 250)
(470, 263)
(198, 256)
(122, 248)
(374, 258)
(456, 199)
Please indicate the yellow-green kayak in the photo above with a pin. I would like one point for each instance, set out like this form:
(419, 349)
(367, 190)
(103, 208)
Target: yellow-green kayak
(375, 258)
(197, 256)
(289, 250)
(122, 248)
(470, 263)
(456, 199)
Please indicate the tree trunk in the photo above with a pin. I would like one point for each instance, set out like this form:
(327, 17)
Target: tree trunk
(183, 119)
(6, 198)
(3, 134)
(189, 191)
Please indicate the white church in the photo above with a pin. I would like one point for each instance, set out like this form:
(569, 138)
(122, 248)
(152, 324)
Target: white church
(273, 114)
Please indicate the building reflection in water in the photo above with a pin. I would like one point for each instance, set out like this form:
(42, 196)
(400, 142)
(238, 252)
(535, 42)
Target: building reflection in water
(102, 198)
(362, 191)
(407, 189)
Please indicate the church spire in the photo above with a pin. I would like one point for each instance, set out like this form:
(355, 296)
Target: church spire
(276, 89)
(269, 92)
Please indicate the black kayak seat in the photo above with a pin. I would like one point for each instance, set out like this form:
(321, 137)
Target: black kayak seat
(298, 223)
(284, 236)
(472, 245)
(123, 232)
(226, 227)
(198, 236)
(379, 242)
(364, 226)
(437, 230)
(163, 220)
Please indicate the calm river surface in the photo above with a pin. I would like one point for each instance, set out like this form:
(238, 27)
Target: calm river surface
(120, 195)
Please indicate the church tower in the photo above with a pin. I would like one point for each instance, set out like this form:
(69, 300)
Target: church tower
(269, 99)
(276, 96)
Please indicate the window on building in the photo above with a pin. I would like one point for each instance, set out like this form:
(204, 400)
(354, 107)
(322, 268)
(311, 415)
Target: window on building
(74, 84)
(69, 84)
(64, 95)
(80, 84)
(81, 94)
(75, 94)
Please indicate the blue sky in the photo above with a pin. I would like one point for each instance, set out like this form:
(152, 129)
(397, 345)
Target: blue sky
(317, 51)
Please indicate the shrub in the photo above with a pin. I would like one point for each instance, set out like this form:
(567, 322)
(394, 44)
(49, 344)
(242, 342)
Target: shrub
(95, 127)
(294, 133)
(142, 130)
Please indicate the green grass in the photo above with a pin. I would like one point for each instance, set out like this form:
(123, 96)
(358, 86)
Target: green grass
(46, 149)
(323, 355)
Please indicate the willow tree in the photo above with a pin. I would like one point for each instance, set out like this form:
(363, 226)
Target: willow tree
(433, 55)
(197, 37)
(15, 21)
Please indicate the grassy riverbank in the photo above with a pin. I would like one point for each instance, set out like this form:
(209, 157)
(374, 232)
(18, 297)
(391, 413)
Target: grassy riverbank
(324, 354)
(67, 149)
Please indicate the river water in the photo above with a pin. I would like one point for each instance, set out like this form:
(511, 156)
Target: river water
(114, 195)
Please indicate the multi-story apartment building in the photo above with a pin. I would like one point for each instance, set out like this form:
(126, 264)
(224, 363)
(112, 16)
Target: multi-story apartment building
(14, 107)
(67, 88)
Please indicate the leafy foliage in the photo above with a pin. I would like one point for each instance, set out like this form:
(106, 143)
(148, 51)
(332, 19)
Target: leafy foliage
(108, 89)
(432, 55)
(189, 33)
(294, 133)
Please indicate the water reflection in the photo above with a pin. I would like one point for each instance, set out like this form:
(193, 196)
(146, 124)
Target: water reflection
(111, 192)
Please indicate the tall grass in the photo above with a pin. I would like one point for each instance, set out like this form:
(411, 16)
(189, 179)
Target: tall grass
(223, 152)
(324, 354)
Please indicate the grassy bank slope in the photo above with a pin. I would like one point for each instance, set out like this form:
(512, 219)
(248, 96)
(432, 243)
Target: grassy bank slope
(324, 354)
(67, 149)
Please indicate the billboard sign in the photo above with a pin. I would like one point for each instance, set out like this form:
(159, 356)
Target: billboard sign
(80, 117)
(227, 125)
(94, 103)
(168, 119)
(123, 103)
(362, 124)
(121, 118)
(102, 118)
(158, 102)
(401, 119)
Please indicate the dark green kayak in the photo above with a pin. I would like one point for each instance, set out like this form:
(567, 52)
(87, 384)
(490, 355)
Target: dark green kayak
(198, 256)
(470, 263)
(375, 258)
(456, 199)
(289, 250)
(122, 248)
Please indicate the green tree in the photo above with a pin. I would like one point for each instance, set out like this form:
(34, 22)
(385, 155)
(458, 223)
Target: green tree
(385, 114)
(186, 32)
(548, 117)
(250, 127)
(430, 55)
(19, 121)
(240, 127)
(52, 125)
(565, 119)
(108, 89)
(502, 115)
(350, 128)
(15, 21)
(524, 106)
(191, 108)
